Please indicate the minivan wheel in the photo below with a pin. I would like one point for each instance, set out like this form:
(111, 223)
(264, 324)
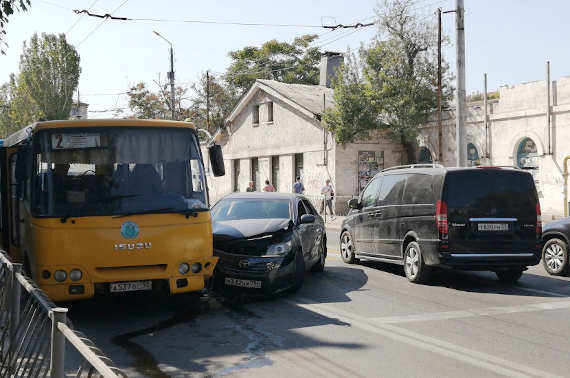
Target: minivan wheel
(414, 265)
(347, 248)
(555, 257)
(509, 275)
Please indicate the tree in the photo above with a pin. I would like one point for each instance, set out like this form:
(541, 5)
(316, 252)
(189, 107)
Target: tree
(146, 104)
(7, 8)
(295, 62)
(49, 72)
(222, 100)
(399, 80)
(17, 108)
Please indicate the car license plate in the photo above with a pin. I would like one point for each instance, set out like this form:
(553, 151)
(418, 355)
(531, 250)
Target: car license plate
(242, 283)
(492, 227)
(119, 287)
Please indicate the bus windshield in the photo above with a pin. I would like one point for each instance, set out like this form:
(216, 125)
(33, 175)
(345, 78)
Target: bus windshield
(117, 171)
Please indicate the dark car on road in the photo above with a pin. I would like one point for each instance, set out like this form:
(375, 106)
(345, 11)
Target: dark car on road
(555, 238)
(423, 216)
(267, 241)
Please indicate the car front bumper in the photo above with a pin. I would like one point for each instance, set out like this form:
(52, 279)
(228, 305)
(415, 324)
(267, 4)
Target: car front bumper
(275, 273)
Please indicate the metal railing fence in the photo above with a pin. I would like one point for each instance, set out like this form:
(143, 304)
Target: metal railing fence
(34, 332)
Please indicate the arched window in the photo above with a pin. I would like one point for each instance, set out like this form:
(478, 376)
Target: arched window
(527, 154)
(472, 155)
(425, 156)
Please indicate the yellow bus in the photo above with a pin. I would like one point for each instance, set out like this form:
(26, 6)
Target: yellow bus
(108, 206)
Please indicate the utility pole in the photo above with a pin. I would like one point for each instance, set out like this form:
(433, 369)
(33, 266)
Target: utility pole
(170, 76)
(439, 125)
(548, 107)
(207, 100)
(460, 153)
(486, 120)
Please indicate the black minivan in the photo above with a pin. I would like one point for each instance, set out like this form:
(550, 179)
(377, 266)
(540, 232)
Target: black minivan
(424, 215)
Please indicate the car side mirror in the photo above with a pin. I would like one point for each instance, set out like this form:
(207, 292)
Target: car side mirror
(307, 218)
(217, 160)
(354, 204)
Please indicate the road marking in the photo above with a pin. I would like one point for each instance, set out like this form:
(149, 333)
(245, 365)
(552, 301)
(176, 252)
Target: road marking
(444, 348)
(472, 313)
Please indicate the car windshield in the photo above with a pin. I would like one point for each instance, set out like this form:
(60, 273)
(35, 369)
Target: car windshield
(234, 209)
(119, 170)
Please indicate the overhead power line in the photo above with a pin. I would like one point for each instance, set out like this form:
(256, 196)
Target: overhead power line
(109, 16)
(100, 24)
(81, 17)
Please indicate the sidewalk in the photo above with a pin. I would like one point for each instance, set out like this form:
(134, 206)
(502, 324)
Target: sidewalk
(334, 223)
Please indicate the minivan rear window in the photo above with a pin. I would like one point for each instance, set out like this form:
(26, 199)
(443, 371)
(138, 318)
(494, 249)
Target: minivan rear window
(491, 193)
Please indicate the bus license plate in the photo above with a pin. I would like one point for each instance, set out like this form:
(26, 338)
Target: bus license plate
(242, 283)
(492, 227)
(119, 287)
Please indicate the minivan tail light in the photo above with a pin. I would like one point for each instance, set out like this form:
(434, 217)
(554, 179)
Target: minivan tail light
(538, 220)
(441, 217)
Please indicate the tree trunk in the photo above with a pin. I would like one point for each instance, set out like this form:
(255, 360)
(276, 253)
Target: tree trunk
(409, 153)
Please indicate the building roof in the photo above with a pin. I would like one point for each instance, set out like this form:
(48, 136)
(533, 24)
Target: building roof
(306, 98)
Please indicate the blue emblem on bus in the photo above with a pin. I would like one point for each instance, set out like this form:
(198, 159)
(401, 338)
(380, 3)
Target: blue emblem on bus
(129, 230)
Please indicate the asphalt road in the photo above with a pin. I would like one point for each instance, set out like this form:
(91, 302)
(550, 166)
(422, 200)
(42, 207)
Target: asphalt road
(362, 320)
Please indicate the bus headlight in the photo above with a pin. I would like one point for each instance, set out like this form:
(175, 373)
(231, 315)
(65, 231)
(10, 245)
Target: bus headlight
(196, 267)
(60, 275)
(75, 275)
(280, 249)
(183, 268)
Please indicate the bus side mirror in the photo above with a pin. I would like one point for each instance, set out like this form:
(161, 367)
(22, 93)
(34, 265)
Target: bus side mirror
(22, 159)
(217, 160)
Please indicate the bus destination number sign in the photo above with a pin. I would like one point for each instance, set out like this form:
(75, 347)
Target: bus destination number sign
(75, 141)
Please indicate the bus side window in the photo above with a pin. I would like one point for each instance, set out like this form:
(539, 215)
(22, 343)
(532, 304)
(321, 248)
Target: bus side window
(15, 208)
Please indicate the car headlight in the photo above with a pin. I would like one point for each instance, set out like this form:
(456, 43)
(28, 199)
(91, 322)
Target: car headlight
(279, 249)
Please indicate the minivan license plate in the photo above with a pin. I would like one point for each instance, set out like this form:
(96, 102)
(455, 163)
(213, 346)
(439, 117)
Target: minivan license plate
(242, 283)
(119, 287)
(492, 227)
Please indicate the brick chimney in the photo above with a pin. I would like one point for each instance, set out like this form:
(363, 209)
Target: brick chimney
(330, 62)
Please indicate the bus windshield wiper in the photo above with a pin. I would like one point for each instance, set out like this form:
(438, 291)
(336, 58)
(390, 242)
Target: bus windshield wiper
(187, 212)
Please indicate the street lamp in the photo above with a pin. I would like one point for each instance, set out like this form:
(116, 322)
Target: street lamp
(170, 75)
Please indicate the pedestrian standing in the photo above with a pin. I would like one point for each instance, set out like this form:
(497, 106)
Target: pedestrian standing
(268, 187)
(298, 186)
(328, 193)
(250, 187)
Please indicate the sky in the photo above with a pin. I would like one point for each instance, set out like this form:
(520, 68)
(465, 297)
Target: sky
(510, 40)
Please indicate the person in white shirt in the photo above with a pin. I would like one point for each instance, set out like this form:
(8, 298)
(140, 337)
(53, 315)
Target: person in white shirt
(328, 193)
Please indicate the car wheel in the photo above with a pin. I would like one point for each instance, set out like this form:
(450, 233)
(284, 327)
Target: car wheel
(299, 271)
(414, 265)
(319, 266)
(347, 248)
(555, 257)
(509, 275)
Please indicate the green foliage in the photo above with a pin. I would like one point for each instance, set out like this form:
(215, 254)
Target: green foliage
(398, 83)
(49, 73)
(7, 8)
(295, 62)
(146, 104)
(222, 100)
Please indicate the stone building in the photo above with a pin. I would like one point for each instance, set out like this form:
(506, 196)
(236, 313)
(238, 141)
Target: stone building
(275, 133)
(518, 133)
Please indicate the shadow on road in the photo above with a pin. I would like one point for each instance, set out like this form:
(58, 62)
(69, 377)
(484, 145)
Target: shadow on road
(530, 284)
(220, 336)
